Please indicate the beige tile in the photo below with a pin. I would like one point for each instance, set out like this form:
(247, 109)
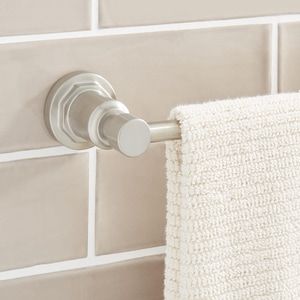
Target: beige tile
(152, 72)
(142, 12)
(180, 67)
(130, 201)
(289, 58)
(31, 16)
(43, 210)
(140, 279)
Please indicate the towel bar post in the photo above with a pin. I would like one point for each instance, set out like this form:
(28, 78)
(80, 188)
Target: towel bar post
(81, 111)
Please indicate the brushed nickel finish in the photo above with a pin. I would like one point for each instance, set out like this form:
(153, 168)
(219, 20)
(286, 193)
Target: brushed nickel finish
(81, 111)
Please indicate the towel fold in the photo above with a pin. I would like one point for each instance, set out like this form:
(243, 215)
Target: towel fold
(233, 211)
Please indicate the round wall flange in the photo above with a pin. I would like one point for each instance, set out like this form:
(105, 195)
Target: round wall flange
(60, 98)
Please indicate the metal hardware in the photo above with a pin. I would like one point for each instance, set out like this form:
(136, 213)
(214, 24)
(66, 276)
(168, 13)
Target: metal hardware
(82, 111)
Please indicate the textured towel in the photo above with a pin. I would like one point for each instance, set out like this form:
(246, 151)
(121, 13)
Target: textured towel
(233, 220)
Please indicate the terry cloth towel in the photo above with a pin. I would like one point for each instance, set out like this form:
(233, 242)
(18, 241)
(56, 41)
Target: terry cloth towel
(233, 211)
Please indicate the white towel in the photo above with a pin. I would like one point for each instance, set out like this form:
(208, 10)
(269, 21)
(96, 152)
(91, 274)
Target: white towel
(233, 220)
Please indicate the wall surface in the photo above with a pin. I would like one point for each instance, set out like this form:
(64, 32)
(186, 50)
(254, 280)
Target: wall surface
(90, 225)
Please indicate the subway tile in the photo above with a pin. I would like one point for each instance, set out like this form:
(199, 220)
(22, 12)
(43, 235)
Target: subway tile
(289, 57)
(139, 279)
(130, 201)
(167, 69)
(144, 12)
(43, 16)
(151, 72)
(43, 210)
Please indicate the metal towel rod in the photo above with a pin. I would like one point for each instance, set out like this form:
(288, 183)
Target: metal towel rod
(82, 111)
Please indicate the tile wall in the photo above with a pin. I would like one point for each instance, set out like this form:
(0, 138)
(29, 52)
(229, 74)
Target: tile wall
(90, 224)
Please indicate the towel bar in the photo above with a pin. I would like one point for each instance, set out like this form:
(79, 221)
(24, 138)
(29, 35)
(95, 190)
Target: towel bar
(82, 111)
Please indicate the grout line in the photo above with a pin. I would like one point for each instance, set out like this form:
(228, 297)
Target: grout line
(80, 263)
(149, 28)
(37, 153)
(94, 15)
(92, 202)
(274, 58)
